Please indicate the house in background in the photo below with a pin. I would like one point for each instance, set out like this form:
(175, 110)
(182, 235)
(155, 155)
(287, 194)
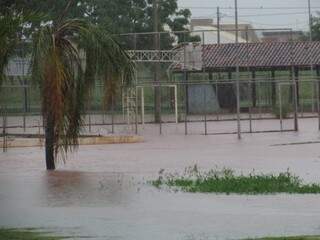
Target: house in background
(207, 29)
(246, 31)
(282, 36)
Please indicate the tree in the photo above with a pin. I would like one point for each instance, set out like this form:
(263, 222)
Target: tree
(118, 16)
(316, 28)
(57, 67)
(11, 26)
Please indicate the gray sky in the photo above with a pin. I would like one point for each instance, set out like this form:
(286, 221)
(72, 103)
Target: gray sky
(284, 13)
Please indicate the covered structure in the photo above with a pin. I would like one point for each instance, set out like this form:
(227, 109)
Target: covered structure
(271, 55)
(280, 60)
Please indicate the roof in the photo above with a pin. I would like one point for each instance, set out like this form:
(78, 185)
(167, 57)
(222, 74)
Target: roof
(260, 55)
(279, 33)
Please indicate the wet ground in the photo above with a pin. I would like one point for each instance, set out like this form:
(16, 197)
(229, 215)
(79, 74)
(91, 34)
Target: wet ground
(102, 191)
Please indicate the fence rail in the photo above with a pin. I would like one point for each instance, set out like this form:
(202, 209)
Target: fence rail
(207, 108)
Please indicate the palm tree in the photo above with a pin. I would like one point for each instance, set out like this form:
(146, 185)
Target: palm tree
(67, 56)
(65, 79)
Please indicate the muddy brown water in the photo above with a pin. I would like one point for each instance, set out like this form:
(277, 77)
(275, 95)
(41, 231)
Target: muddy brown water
(102, 191)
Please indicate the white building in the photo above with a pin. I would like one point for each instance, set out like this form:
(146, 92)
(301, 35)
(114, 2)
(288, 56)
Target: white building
(207, 29)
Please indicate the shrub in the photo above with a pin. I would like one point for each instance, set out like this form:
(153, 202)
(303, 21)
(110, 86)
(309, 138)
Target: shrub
(226, 181)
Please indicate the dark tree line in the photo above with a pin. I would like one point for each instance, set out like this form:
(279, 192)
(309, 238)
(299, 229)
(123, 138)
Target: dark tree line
(316, 28)
(116, 16)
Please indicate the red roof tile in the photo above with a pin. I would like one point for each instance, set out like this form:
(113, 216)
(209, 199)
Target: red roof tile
(261, 55)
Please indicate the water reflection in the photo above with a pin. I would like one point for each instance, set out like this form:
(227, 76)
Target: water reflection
(70, 188)
(108, 206)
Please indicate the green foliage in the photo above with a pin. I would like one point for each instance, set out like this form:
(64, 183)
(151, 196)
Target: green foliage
(316, 28)
(10, 26)
(25, 234)
(288, 238)
(65, 83)
(13, 29)
(59, 48)
(226, 181)
(118, 16)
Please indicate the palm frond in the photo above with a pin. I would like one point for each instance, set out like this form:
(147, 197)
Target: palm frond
(112, 64)
(65, 82)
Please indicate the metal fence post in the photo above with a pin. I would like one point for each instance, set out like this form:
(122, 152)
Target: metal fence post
(318, 95)
(295, 94)
(186, 111)
(112, 114)
(136, 111)
(205, 111)
(160, 108)
(250, 117)
(4, 132)
(176, 104)
(185, 73)
(280, 108)
(142, 106)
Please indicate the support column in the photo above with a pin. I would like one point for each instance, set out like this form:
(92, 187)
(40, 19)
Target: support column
(229, 91)
(290, 100)
(217, 91)
(210, 76)
(273, 89)
(186, 77)
(25, 92)
(296, 78)
(157, 67)
(214, 85)
(186, 103)
(318, 78)
(172, 97)
(253, 89)
(318, 94)
(226, 95)
(294, 87)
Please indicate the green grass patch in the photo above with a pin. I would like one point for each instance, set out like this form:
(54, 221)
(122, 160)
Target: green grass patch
(26, 234)
(288, 238)
(226, 181)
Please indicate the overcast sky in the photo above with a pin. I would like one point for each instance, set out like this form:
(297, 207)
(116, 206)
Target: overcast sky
(281, 13)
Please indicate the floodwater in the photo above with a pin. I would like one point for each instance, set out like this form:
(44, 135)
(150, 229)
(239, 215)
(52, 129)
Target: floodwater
(102, 192)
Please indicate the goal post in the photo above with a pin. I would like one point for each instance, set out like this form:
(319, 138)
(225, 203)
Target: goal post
(162, 86)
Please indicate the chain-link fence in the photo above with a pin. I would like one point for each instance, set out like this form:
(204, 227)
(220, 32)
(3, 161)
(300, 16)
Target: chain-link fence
(197, 82)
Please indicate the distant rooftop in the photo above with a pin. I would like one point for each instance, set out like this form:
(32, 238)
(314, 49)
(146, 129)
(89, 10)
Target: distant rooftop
(246, 31)
(270, 55)
(277, 33)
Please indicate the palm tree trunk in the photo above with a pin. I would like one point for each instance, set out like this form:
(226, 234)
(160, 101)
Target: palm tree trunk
(49, 135)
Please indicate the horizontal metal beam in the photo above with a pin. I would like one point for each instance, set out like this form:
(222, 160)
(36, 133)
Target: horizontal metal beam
(167, 56)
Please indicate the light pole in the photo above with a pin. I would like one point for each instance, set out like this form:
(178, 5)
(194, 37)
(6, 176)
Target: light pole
(310, 20)
(236, 20)
(310, 40)
(317, 83)
(157, 93)
(218, 25)
(237, 69)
